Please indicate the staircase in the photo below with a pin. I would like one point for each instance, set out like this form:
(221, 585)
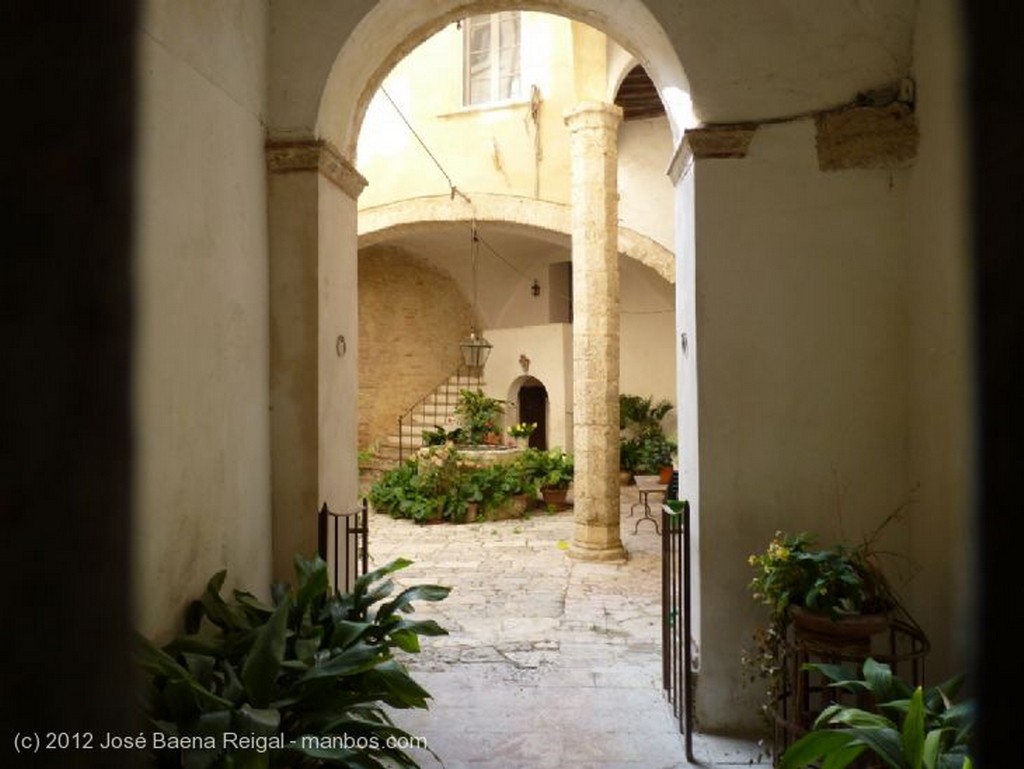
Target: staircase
(435, 408)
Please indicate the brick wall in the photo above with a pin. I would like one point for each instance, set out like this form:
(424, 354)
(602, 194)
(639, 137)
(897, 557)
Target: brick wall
(411, 319)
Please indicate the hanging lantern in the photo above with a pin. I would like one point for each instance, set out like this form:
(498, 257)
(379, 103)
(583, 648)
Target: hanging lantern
(475, 349)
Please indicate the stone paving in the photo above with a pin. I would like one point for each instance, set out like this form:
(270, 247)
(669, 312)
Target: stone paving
(550, 662)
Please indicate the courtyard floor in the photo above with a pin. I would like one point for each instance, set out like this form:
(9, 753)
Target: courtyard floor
(550, 662)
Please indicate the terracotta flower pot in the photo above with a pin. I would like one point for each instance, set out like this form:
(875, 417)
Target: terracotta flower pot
(857, 628)
(555, 497)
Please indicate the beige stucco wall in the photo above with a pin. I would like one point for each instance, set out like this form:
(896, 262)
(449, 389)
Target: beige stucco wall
(647, 352)
(800, 285)
(940, 438)
(549, 349)
(202, 487)
(494, 148)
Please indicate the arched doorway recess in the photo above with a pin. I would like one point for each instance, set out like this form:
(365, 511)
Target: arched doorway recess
(531, 400)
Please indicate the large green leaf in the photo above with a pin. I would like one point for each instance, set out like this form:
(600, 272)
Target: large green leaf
(355, 659)
(403, 600)
(812, 746)
(219, 612)
(930, 753)
(912, 732)
(264, 722)
(181, 693)
(312, 580)
(402, 690)
(259, 672)
(879, 677)
(857, 718)
(347, 632)
(884, 743)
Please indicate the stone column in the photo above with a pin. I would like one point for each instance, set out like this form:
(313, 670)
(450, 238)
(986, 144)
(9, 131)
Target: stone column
(593, 128)
(312, 193)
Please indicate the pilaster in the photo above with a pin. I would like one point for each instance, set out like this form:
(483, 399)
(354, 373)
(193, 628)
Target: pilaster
(312, 194)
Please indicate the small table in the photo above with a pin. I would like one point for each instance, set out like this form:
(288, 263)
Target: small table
(645, 486)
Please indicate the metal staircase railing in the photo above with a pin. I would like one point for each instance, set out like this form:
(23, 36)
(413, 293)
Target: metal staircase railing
(447, 392)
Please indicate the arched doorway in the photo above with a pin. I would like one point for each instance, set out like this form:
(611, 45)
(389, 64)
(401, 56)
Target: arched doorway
(532, 401)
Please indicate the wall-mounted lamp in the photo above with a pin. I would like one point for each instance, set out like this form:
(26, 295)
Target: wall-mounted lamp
(535, 288)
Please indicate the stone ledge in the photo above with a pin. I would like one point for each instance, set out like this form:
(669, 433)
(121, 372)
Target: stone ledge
(315, 155)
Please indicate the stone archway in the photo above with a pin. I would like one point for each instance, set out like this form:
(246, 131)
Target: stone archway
(378, 223)
(313, 189)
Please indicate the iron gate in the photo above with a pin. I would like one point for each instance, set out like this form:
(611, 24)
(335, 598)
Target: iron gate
(342, 540)
(676, 630)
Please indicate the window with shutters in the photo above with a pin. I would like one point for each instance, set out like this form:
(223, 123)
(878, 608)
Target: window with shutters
(491, 58)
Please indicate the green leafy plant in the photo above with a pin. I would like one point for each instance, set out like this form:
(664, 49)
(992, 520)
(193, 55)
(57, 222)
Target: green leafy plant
(551, 469)
(401, 493)
(644, 447)
(439, 436)
(480, 415)
(838, 580)
(642, 414)
(793, 574)
(911, 728)
(300, 683)
(441, 479)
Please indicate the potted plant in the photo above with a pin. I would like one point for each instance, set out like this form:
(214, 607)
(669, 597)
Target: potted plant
(821, 590)
(521, 432)
(311, 662)
(480, 416)
(908, 728)
(510, 486)
(629, 459)
(827, 598)
(644, 447)
(552, 472)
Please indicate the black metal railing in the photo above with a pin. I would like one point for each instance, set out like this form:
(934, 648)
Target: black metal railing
(676, 615)
(463, 378)
(342, 543)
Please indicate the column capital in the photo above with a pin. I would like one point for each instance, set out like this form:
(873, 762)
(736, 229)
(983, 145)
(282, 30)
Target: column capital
(593, 114)
(315, 155)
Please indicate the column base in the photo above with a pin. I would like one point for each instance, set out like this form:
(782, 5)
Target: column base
(583, 552)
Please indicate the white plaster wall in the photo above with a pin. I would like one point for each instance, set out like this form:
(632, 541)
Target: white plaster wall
(549, 348)
(201, 339)
(646, 197)
(647, 353)
(802, 374)
(940, 445)
(338, 353)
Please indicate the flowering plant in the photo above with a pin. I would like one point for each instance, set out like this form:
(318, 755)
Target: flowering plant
(835, 581)
(522, 430)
